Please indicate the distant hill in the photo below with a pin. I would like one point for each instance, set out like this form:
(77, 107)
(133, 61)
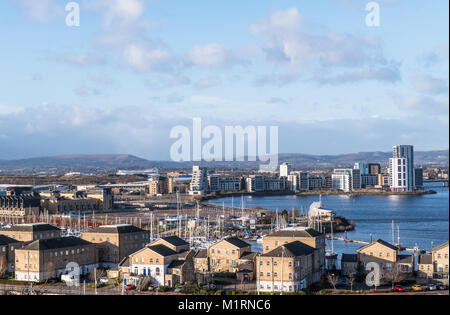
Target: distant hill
(71, 163)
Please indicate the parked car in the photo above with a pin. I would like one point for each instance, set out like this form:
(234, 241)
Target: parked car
(432, 287)
(441, 287)
(399, 288)
(130, 287)
(416, 287)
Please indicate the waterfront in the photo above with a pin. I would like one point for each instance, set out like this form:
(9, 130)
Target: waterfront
(422, 219)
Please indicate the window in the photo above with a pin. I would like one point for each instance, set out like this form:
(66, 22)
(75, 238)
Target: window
(275, 274)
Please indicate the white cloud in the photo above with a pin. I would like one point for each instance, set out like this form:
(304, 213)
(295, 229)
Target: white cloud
(8, 110)
(143, 60)
(42, 10)
(430, 85)
(208, 83)
(213, 55)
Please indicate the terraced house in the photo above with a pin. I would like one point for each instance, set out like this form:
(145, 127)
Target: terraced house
(231, 255)
(165, 262)
(32, 232)
(50, 258)
(287, 268)
(115, 242)
(7, 254)
(440, 262)
(388, 257)
(307, 236)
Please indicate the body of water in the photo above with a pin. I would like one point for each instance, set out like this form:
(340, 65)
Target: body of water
(422, 219)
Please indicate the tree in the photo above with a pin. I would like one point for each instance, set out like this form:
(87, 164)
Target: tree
(352, 280)
(3, 266)
(333, 279)
(397, 275)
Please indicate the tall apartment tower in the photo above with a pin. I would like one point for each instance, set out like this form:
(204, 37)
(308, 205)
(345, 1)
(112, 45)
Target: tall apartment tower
(407, 152)
(285, 170)
(398, 168)
(199, 183)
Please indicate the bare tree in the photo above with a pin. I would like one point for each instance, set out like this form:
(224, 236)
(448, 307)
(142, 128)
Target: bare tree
(397, 275)
(352, 280)
(333, 279)
(3, 266)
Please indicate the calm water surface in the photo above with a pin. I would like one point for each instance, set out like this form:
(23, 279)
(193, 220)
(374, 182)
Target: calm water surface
(422, 219)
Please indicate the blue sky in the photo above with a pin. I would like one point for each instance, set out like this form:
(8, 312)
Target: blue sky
(134, 69)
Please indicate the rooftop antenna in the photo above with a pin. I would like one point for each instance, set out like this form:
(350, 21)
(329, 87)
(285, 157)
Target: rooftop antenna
(393, 233)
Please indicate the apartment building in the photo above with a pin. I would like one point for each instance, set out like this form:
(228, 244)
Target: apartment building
(425, 268)
(346, 180)
(219, 183)
(20, 205)
(160, 263)
(404, 152)
(349, 265)
(114, 242)
(159, 186)
(103, 195)
(228, 254)
(398, 171)
(201, 261)
(287, 268)
(31, 232)
(440, 261)
(387, 256)
(306, 236)
(57, 204)
(50, 258)
(7, 253)
(199, 183)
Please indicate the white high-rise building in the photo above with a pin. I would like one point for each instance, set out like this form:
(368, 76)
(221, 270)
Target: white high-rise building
(285, 170)
(398, 169)
(199, 183)
(407, 152)
(346, 179)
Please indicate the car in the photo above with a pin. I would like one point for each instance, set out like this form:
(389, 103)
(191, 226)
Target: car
(130, 287)
(399, 288)
(416, 287)
(432, 287)
(441, 287)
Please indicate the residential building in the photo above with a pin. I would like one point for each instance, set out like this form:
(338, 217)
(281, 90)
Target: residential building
(50, 258)
(104, 197)
(255, 183)
(369, 180)
(349, 265)
(362, 167)
(418, 178)
(293, 182)
(226, 255)
(440, 261)
(406, 152)
(306, 236)
(285, 170)
(159, 186)
(165, 262)
(388, 258)
(201, 261)
(115, 242)
(56, 204)
(199, 183)
(346, 180)
(19, 205)
(274, 184)
(31, 232)
(398, 168)
(425, 267)
(374, 168)
(287, 268)
(7, 253)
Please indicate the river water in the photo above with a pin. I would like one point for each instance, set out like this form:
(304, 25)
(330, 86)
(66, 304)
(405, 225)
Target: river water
(423, 220)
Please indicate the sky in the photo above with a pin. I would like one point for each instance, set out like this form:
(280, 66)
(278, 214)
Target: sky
(135, 69)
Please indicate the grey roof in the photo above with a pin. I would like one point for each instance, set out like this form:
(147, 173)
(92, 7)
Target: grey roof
(248, 256)
(349, 258)
(5, 240)
(175, 241)
(57, 243)
(176, 264)
(293, 249)
(425, 260)
(162, 250)
(118, 229)
(34, 227)
(125, 262)
(295, 233)
(202, 253)
(237, 242)
(405, 259)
